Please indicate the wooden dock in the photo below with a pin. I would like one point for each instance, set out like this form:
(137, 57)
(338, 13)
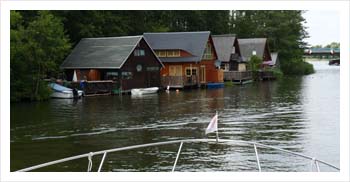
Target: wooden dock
(238, 76)
(92, 88)
(267, 75)
(179, 81)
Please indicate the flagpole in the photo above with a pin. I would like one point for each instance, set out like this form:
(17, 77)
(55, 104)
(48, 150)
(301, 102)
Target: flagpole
(217, 130)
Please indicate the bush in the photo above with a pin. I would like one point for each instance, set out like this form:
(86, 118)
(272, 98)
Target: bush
(254, 63)
(297, 67)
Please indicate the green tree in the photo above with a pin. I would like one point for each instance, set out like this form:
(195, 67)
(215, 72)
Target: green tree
(37, 50)
(316, 46)
(285, 32)
(333, 45)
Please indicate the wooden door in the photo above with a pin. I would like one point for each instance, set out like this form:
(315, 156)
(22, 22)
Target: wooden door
(175, 70)
(202, 74)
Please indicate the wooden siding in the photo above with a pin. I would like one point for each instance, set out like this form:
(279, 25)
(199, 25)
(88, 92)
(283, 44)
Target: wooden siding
(267, 54)
(148, 76)
(143, 78)
(212, 74)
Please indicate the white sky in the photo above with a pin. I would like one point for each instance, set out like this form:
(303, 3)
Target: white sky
(323, 27)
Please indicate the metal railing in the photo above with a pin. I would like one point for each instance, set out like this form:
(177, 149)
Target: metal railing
(314, 162)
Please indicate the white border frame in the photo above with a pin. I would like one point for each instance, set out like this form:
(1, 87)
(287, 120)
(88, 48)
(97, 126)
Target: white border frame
(6, 6)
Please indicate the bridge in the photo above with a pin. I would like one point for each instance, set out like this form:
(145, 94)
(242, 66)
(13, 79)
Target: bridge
(322, 52)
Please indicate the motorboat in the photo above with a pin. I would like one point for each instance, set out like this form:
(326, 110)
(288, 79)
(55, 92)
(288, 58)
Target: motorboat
(62, 92)
(314, 162)
(144, 91)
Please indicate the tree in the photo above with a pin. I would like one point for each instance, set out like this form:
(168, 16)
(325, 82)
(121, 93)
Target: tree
(284, 29)
(37, 50)
(333, 45)
(316, 46)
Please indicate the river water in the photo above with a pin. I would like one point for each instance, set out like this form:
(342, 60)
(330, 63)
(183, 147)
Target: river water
(300, 114)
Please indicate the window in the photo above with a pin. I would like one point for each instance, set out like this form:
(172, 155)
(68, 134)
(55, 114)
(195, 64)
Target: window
(111, 75)
(161, 53)
(126, 75)
(208, 52)
(173, 53)
(190, 72)
(194, 71)
(155, 68)
(139, 52)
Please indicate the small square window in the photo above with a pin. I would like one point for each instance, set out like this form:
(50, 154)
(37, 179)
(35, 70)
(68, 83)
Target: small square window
(139, 52)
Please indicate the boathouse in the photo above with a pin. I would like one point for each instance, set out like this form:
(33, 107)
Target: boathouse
(254, 46)
(127, 62)
(229, 53)
(190, 58)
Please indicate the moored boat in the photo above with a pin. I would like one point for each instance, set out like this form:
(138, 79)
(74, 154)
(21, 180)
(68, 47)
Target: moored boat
(335, 62)
(144, 91)
(62, 92)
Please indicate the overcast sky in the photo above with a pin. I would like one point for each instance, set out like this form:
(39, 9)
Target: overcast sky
(323, 26)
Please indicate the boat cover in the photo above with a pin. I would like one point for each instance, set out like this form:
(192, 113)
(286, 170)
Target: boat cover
(58, 88)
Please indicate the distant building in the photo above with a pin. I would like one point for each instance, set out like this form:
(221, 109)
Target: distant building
(229, 53)
(190, 58)
(128, 61)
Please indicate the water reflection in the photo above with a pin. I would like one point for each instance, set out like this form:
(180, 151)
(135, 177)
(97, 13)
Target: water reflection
(289, 113)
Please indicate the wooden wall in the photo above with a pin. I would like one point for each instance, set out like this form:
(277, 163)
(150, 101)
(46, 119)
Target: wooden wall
(143, 78)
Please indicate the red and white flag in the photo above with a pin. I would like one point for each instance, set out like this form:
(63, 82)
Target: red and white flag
(213, 125)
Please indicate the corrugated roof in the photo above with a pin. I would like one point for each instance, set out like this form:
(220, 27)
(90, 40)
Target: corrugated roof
(109, 52)
(192, 42)
(247, 46)
(224, 46)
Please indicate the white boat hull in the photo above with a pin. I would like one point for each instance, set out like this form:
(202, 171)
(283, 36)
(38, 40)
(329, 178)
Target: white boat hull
(65, 94)
(144, 91)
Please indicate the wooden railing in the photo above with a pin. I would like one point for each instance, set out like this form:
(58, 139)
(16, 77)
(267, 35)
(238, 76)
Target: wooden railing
(237, 75)
(179, 81)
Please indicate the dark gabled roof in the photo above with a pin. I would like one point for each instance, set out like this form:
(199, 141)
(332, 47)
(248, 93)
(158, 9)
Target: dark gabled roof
(191, 42)
(224, 46)
(109, 52)
(247, 46)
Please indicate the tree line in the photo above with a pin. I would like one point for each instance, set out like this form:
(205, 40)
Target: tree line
(40, 40)
(331, 45)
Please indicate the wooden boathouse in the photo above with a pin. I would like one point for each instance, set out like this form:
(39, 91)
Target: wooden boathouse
(229, 53)
(190, 58)
(255, 47)
(111, 64)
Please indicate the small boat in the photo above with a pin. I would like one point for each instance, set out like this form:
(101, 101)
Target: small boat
(335, 62)
(144, 91)
(215, 85)
(62, 92)
(242, 82)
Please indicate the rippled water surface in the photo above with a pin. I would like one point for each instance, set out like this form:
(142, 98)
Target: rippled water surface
(300, 114)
